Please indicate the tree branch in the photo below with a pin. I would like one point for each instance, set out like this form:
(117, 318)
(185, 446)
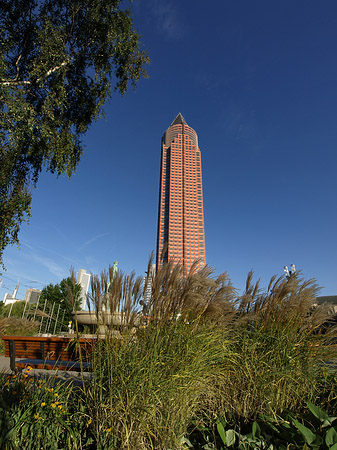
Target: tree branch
(5, 82)
(14, 82)
(54, 69)
(17, 67)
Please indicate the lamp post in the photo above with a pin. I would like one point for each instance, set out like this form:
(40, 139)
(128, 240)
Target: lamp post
(288, 273)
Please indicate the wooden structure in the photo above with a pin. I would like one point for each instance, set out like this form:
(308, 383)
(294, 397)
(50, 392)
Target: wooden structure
(63, 353)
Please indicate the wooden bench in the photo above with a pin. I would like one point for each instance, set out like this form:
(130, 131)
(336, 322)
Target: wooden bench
(48, 352)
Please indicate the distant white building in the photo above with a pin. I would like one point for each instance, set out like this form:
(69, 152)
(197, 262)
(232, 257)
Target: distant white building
(11, 298)
(32, 295)
(84, 280)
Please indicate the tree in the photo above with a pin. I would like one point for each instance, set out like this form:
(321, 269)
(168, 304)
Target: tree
(64, 296)
(15, 309)
(59, 60)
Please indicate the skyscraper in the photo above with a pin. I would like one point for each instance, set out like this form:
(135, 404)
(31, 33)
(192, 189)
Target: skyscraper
(181, 236)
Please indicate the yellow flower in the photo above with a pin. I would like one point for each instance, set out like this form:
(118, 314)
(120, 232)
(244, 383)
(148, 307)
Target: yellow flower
(50, 389)
(43, 404)
(53, 405)
(89, 422)
(56, 394)
(56, 403)
(59, 406)
(37, 416)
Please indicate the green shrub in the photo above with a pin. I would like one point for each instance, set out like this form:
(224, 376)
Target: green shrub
(314, 429)
(16, 309)
(13, 326)
(41, 414)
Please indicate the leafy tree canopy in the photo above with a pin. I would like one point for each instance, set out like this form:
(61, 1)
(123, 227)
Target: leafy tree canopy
(59, 61)
(65, 295)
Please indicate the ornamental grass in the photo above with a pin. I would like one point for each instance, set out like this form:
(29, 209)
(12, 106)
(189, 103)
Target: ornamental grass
(206, 352)
(200, 352)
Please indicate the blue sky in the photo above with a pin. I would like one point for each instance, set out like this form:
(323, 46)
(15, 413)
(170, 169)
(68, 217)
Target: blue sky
(257, 80)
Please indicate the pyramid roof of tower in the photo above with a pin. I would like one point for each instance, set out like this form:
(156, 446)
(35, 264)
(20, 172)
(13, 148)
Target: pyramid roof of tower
(179, 120)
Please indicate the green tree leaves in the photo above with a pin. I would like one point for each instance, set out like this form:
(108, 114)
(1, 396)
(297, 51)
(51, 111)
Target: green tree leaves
(59, 61)
(66, 295)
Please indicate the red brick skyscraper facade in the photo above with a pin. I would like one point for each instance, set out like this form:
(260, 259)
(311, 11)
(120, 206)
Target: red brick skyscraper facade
(181, 211)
